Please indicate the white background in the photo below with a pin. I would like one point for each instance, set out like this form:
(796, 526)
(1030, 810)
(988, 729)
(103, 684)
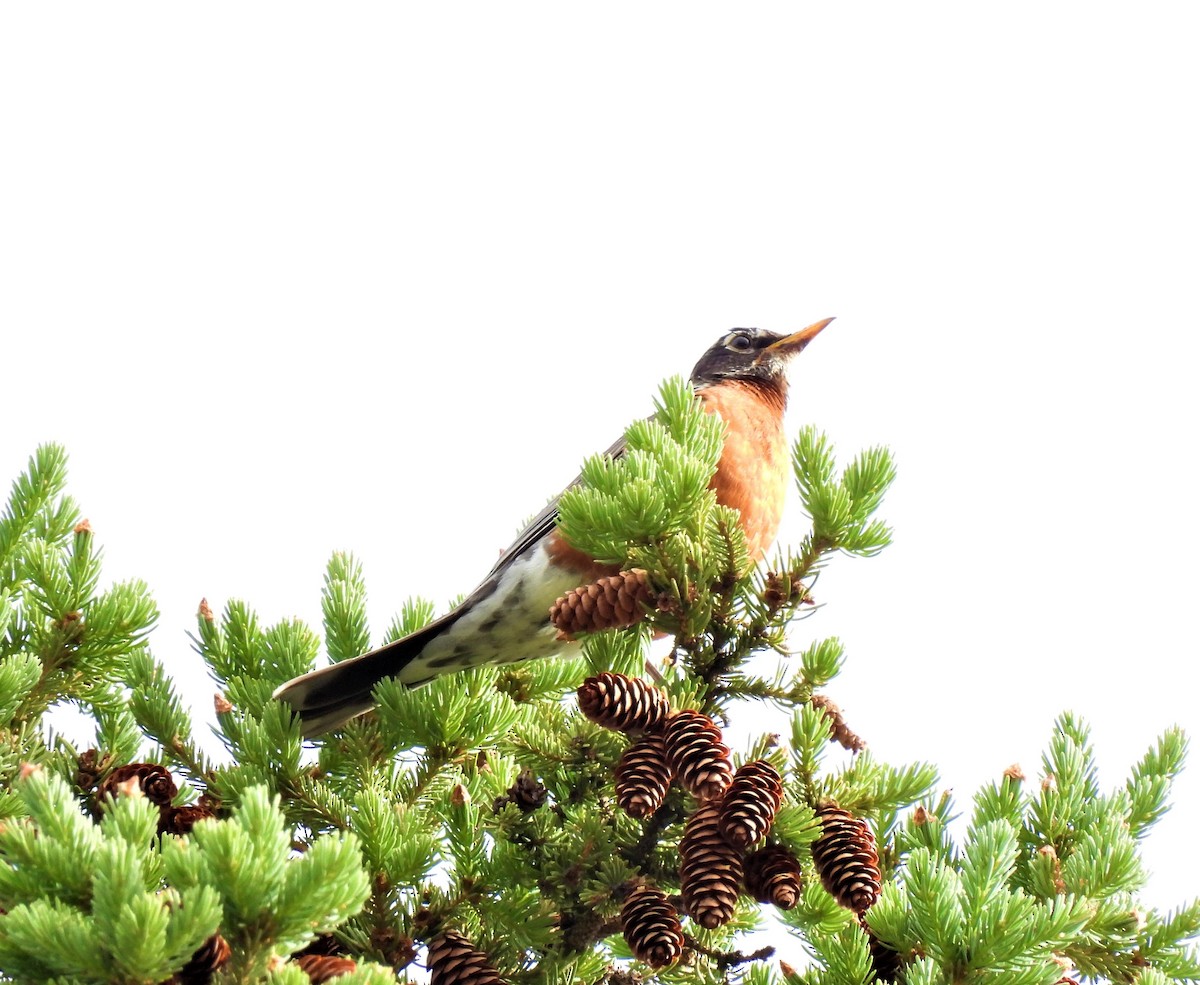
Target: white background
(286, 279)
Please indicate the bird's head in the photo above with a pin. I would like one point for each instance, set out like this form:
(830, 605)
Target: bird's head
(753, 355)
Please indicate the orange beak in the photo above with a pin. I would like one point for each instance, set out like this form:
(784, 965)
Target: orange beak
(798, 340)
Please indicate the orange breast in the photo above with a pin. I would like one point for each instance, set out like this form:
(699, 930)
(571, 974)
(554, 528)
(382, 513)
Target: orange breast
(588, 569)
(752, 475)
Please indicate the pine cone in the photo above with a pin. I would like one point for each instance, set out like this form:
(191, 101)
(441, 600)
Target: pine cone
(207, 960)
(611, 603)
(710, 869)
(885, 960)
(87, 769)
(643, 776)
(839, 731)
(181, 820)
(454, 960)
(750, 803)
(324, 944)
(627, 704)
(322, 968)
(846, 859)
(780, 590)
(155, 782)
(698, 757)
(651, 927)
(773, 876)
(527, 792)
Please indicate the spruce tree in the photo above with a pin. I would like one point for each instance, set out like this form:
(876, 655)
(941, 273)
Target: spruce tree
(580, 820)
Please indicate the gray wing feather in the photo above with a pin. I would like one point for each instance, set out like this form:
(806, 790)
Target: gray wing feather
(544, 522)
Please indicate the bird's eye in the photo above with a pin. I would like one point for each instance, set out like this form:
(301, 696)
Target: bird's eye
(739, 343)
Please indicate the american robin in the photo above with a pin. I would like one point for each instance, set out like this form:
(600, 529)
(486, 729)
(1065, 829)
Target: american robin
(743, 379)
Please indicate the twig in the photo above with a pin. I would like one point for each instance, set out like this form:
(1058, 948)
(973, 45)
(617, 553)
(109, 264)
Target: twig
(728, 959)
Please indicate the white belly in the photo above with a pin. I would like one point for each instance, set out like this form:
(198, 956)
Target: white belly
(510, 623)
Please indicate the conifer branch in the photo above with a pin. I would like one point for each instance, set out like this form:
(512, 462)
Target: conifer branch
(497, 820)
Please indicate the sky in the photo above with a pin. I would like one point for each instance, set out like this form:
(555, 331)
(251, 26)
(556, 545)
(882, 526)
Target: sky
(286, 280)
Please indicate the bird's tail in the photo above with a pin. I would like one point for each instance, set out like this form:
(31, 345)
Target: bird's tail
(331, 696)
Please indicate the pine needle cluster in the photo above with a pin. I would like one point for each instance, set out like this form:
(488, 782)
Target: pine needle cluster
(471, 830)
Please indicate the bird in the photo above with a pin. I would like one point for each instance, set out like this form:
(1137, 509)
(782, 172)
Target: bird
(742, 378)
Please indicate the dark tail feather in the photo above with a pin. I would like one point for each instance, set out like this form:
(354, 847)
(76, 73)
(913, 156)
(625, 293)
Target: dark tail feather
(331, 696)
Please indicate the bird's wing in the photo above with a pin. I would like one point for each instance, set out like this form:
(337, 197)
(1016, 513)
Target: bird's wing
(544, 522)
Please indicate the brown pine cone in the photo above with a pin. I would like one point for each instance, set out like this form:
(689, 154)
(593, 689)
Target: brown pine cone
(846, 859)
(527, 792)
(698, 757)
(627, 704)
(87, 769)
(651, 927)
(612, 602)
(322, 968)
(643, 776)
(454, 960)
(155, 782)
(885, 960)
(710, 869)
(207, 960)
(181, 820)
(323, 944)
(773, 876)
(750, 803)
(839, 731)
(781, 589)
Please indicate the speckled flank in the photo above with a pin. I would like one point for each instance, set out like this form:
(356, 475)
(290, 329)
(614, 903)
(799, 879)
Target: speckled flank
(512, 623)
